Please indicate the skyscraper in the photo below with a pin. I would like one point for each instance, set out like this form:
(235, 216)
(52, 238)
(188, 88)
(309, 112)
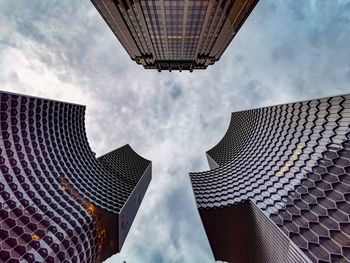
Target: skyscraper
(58, 203)
(175, 34)
(279, 185)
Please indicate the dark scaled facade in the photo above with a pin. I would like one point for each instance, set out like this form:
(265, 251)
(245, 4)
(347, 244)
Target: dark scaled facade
(175, 34)
(279, 185)
(58, 202)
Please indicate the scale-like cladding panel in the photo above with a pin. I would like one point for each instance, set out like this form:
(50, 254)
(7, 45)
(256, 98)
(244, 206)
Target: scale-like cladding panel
(57, 203)
(316, 215)
(175, 35)
(292, 161)
(136, 172)
(230, 147)
(118, 163)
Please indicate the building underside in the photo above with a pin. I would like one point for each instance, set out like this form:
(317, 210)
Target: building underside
(175, 35)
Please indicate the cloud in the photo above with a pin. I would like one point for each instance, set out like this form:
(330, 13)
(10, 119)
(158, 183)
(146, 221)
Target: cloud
(286, 51)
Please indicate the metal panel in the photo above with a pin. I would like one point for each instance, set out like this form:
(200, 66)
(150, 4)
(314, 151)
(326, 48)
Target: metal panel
(175, 35)
(57, 201)
(292, 161)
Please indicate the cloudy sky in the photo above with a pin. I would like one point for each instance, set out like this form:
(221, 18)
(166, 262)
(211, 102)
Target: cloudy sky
(287, 50)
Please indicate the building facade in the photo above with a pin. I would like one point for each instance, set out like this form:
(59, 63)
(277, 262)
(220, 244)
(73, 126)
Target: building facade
(175, 34)
(58, 202)
(279, 185)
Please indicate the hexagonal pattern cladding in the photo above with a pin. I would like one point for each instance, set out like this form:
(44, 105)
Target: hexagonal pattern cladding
(55, 195)
(292, 161)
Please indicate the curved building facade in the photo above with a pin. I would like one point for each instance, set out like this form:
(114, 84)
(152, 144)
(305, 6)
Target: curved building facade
(280, 173)
(58, 202)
